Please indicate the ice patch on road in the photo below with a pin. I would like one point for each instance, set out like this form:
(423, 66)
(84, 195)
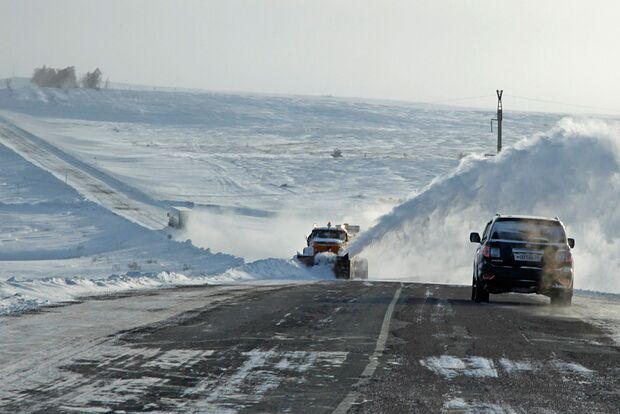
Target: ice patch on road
(176, 358)
(451, 367)
(86, 379)
(261, 371)
(227, 396)
(571, 368)
(460, 406)
(116, 392)
(516, 366)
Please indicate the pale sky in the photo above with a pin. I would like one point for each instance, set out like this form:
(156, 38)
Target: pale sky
(421, 51)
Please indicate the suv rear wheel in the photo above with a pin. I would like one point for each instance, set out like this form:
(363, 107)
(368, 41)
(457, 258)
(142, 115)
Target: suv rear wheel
(478, 294)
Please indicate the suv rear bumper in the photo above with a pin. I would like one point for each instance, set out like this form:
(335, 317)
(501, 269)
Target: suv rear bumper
(500, 279)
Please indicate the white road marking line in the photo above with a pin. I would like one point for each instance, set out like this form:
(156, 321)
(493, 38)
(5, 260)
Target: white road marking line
(373, 362)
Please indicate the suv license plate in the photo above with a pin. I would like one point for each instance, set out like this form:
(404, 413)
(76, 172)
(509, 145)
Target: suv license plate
(528, 257)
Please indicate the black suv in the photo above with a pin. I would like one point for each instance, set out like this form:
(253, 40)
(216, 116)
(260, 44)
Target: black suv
(523, 254)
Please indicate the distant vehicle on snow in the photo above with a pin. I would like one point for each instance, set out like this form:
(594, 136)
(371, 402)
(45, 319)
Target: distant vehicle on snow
(329, 245)
(523, 254)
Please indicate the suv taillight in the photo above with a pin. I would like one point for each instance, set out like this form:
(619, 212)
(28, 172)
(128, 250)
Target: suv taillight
(489, 251)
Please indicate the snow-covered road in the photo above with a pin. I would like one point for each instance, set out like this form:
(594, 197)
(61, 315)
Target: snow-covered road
(93, 184)
(35, 347)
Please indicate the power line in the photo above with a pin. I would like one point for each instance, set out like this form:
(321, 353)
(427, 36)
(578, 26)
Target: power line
(469, 98)
(525, 98)
(598, 108)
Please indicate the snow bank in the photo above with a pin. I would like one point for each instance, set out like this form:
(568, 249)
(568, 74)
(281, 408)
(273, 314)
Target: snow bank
(278, 269)
(573, 172)
(17, 296)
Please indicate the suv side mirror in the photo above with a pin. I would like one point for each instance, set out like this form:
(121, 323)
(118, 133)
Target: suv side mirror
(571, 242)
(474, 237)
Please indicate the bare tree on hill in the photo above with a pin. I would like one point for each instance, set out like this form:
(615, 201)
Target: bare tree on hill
(55, 78)
(92, 80)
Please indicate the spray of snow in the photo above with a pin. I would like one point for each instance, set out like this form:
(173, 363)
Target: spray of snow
(278, 235)
(277, 269)
(573, 172)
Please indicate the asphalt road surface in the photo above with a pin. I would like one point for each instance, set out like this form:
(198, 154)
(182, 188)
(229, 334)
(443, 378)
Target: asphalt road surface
(328, 347)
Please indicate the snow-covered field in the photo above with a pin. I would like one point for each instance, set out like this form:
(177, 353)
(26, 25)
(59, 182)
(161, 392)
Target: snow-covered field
(77, 218)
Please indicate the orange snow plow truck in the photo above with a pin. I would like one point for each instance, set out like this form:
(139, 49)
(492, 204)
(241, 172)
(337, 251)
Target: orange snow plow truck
(329, 245)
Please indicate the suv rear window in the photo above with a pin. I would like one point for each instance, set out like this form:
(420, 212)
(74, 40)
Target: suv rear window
(540, 231)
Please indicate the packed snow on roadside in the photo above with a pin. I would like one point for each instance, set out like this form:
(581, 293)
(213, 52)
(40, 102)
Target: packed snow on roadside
(56, 246)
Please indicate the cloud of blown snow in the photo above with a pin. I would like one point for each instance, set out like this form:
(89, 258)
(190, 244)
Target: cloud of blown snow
(277, 234)
(573, 172)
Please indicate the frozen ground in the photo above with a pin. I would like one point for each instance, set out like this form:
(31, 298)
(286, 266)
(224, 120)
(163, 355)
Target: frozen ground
(257, 172)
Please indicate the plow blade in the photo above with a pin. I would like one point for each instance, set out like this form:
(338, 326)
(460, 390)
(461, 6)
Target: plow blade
(306, 260)
(343, 268)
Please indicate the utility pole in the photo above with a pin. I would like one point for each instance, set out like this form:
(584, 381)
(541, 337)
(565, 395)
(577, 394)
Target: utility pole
(499, 119)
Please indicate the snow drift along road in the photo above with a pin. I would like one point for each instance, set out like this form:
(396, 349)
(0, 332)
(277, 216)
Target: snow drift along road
(572, 172)
(24, 295)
